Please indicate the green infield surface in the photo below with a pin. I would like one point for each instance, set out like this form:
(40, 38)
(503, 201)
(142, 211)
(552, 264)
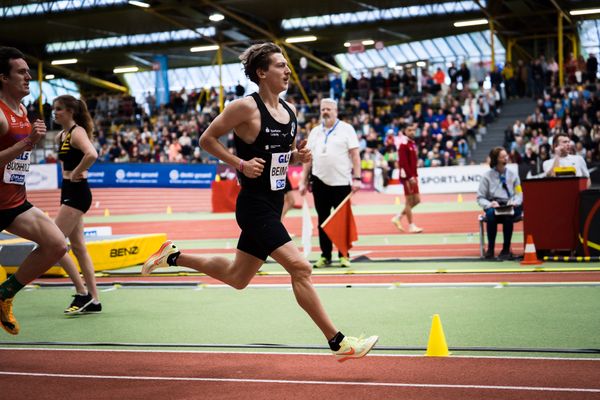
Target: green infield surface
(475, 318)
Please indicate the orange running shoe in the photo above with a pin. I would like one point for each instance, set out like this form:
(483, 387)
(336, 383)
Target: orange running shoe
(7, 319)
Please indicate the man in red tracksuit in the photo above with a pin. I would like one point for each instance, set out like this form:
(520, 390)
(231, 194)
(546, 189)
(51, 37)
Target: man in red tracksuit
(407, 163)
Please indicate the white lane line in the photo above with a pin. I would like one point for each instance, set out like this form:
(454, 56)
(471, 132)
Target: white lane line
(301, 382)
(277, 352)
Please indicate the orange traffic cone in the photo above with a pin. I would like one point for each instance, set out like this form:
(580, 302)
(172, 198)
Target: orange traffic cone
(530, 256)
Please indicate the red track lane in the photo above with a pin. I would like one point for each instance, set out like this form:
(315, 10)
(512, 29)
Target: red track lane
(350, 279)
(401, 251)
(143, 200)
(201, 375)
(456, 222)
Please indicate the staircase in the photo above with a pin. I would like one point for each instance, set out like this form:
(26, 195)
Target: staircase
(511, 111)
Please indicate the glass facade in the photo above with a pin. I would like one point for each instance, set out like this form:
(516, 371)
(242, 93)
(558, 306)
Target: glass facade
(469, 47)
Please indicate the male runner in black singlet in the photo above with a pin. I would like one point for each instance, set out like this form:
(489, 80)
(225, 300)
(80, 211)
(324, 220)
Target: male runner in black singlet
(265, 128)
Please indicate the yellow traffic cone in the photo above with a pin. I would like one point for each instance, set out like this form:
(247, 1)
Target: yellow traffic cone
(397, 201)
(2, 274)
(437, 347)
(459, 199)
(169, 210)
(106, 212)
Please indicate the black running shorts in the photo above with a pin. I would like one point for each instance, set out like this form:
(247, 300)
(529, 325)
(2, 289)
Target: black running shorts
(76, 194)
(259, 216)
(8, 216)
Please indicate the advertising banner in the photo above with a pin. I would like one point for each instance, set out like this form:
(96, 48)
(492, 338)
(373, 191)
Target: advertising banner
(152, 175)
(42, 177)
(459, 179)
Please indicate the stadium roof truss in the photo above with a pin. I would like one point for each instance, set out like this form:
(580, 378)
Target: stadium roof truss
(49, 7)
(397, 13)
(130, 40)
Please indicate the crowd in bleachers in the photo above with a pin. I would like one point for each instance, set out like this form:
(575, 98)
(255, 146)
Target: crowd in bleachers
(573, 109)
(449, 117)
(451, 109)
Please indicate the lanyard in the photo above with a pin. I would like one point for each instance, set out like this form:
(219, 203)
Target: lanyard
(502, 178)
(337, 121)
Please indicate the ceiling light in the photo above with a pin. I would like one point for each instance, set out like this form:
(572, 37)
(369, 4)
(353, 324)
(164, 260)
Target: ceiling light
(204, 48)
(216, 17)
(122, 70)
(301, 39)
(471, 22)
(49, 76)
(368, 42)
(139, 4)
(585, 11)
(347, 44)
(63, 62)
(421, 63)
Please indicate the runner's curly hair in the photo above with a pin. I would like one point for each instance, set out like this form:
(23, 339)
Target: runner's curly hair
(257, 57)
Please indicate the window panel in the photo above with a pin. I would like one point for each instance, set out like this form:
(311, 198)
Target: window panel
(456, 47)
(419, 50)
(431, 49)
(468, 44)
(410, 54)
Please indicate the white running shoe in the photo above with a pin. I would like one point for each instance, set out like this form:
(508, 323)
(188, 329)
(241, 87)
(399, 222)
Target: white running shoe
(352, 347)
(397, 223)
(159, 259)
(414, 229)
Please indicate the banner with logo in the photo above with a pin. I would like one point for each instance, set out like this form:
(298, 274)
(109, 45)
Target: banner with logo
(42, 177)
(161, 68)
(459, 179)
(152, 175)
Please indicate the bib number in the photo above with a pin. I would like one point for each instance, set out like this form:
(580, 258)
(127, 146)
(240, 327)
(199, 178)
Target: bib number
(16, 170)
(279, 166)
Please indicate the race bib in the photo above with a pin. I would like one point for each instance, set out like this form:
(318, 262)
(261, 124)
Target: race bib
(16, 170)
(279, 166)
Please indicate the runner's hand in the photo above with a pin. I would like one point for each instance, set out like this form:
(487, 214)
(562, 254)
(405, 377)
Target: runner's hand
(304, 154)
(38, 131)
(253, 168)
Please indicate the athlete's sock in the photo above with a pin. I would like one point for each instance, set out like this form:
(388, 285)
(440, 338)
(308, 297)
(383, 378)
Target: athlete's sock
(10, 287)
(334, 342)
(172, 259)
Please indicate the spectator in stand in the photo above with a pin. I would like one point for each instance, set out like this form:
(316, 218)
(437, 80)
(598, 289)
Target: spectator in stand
(508, 74)
(562, 158)
(337, 86)
(464, 75)
(521, 78)
(364, 87)
(453, 75)
(480, 73)
(592, 68)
